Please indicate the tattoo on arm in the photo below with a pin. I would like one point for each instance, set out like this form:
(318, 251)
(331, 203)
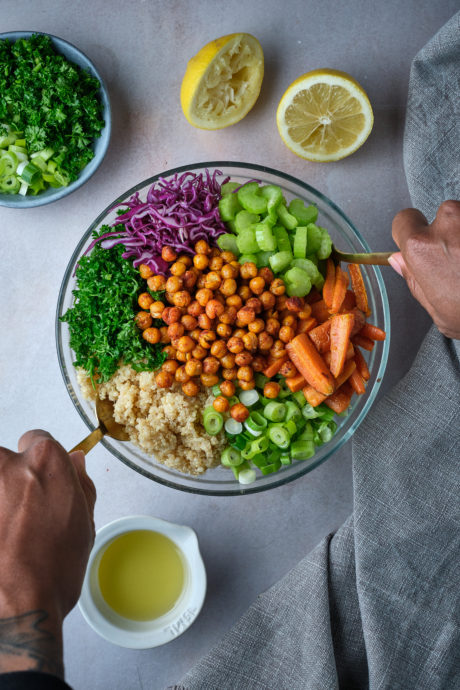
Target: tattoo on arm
(26, 644)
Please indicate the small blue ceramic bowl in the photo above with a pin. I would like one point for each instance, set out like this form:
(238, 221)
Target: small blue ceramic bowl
(99, 145)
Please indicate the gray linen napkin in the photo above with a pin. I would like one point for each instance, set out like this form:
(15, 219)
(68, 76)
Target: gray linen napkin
(376, 604)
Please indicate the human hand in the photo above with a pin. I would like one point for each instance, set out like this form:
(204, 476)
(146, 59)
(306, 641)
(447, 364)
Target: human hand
(429, 260)
(46, 534)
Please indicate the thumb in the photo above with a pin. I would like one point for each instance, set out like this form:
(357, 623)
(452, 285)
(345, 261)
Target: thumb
(397, 262)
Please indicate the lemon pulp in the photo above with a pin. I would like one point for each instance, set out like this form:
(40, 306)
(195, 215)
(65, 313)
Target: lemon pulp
(141, 575)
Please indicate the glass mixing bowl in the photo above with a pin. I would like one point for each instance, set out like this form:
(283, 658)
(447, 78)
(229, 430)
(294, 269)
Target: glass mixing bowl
(220, 481)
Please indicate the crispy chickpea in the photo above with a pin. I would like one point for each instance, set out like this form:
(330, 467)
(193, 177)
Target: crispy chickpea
(228, 287)
(268, 300)
(190, 278)
(271, 389)
(145, 271)
(247, 385)
(257, 285)
(143, 320)
(239, 332)
(170, 366)
(175, 342)
(199, 352)
(278, 350)
(235, 345)
(174, 284)
(255, 304)
(215, 251)
(152, 335)
(213, 280)
(245, 373)
(272, 327)
(216, 263)
(191, 388)
(230, 374)
(164, 336)
(200, 283)
(256, 326)
(168, 254)
(219, 349)
(281, 302)
(207, 337)
(169, 297)
(193, 367)
(244, 316)
(175, 330)
(203, 296)
(243, 359)
(170, 352)
(224, 330)
(209, 380)
(267, 274)
(286, 334)
(265, 341)
(289, 320)
(234, 301)
(239, 412)
(250, 341)
(189, 322)
(156, 310)
(229, 272)
(185, 344)
(288, 370)
(181, 356)
(221, 404)
(228, 257)
(228, 316)
(214, 308)
(248, 270)
(200, 261)
(202, 247)
(145, 300)
(259, 363)
(156, 283)
(164, 379)
(205, 322)
(187, 260)
(181, 375)
(195, 309)
(278, 287)
(244, 292)
(195, 334)
(228, 361)
(182, 298)
(178, 268)
(305, 313)
(171, 315)
(294, 304)
(227, 388)
(211, 365)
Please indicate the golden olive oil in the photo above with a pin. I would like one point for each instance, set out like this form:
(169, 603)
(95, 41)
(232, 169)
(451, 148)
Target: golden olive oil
(141, 575)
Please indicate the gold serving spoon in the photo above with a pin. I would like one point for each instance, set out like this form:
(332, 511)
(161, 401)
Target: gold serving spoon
(370, 258)
(107, 426)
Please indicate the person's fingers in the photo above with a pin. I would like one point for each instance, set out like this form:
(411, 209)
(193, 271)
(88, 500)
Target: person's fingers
(30, 437)
(406, 223)
(78, 460)
(397, 262)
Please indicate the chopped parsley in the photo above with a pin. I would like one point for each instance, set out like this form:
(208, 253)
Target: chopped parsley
(54, 102)
(101, 322)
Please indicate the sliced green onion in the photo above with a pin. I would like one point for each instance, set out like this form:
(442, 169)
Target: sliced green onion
(247, 476)
(291, 427)
(255, 422)
(10, 184)
(259, 461)
(299, 398)
(279, 436)
(249, 398)
(216, 390)
(231, 457)
(213, 421)
(271, 468)
(232, 400)
(28, 172)
(260, 380)
(236, 470)
(233, 427)
(307, 433)
(239, 442)
(285, 459)
(274, 411)
(23, 188)
(292, 411)
(309, 412)
(302, 450)
(325, 412)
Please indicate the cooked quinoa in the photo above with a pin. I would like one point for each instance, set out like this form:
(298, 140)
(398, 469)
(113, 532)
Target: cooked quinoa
(164, 423)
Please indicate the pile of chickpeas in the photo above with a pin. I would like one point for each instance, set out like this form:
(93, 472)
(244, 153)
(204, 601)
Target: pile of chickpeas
(225, 320)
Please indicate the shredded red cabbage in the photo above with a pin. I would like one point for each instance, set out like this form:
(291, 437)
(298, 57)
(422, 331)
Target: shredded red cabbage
(177, 212)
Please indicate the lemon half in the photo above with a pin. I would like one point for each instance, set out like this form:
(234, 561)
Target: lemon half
(324, 115)
(222, 81)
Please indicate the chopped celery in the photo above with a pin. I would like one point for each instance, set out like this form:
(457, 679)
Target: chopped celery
(289, 221)
(304, 214)
(326, 245)
(248, 258)
(282, 239)
(264, 237)
(246, 241)
(251, 198)
(280, 261)
(229, 207)
(298, 283)
(314, 236)
(274, 197)
(227, 243)
(245, 220)
(229, 187)
(299, 248)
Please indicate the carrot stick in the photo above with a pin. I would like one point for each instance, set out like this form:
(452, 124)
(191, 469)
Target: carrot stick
(321, 336)
(341, 325)
(362, 341)
(340, 289)
(319, 311)
(357, 383)
(360, 320)
(348, 355)
(329, 283)
(361, 365)
(305, 325)
(349, 301)
(372, 332)
(310, 364)
(340, 400)
(359, 288)
(296, 383)
(314, 398)
(274, 366)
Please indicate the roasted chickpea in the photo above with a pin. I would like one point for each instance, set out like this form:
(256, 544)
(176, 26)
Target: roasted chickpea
(294, 304)
(209, 380)
(152, 335)
(182, 356)
(244, 292)
(168, 254)
(211, 365)
(228, 257)
(191, 388)
(286, 334)
(170, 352)
(281, 302)
(164, 379)
(207, 337)
(216, 263)
(247, 385)
(171, 315)
(182, 298)
(195, 334)
(244, 316)
(256, 326)
(250, 341)
(257, 285)
(185, 344)
(224, 330)
(193, 367)
(255, 304)
(178, 268)
(200, 283)
(190, 278)
(181, 375)
(243, 359)
(289, 320)
(259, 363)
(189, 322)
(214, 308)
(199, 352)
(156, 283)
(221, 404)
(278, 287)
(203, 296)
(145, 300)
(234, 301)
(170, 366)
(175, 342)
(265, 341)
(268, 300)
(219, 349)
(227, 388)
(228, 316)
(267, 274)
(205, 322)
(245, 373)
(156, 310)
(248, 270)
(169, 297)
(230, 374)
(271, 389)
(288, 370)
(187, 260)
(174, 284)
(235, 345)
(213, 280)
(229, 272)
(272, 327)
(145, 271)
(278, 350)
(305, 313)
(195, 309)
(228, 287)
(164, 336)
(175, 330)
(202, 247)
(143, 320)
(228, 361)
(239, 332)
(200, 261)
(239, 412)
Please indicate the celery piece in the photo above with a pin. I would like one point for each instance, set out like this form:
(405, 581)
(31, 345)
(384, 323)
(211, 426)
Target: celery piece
(264, 237)
(299, 248)
(308, 266)
(274, 197)
(251, 199)
(282, 239)
(314, 236)
(304, 214)
(326, 245)
(244, 220)
(246, 241)
(248, 258)
(227, 243)
(280, 261)
(229, 207)
(263, 259)
(289, 221)
(298, 283)
(229, 187)
(312, 257)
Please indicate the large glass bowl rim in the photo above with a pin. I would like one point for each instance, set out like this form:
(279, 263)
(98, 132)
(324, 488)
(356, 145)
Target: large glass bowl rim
(302, 469)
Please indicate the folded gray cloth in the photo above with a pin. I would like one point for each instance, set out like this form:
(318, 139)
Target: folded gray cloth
(376, 605)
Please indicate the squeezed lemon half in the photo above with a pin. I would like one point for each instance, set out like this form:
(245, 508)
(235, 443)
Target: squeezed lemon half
(324, 115)
(222, 81)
